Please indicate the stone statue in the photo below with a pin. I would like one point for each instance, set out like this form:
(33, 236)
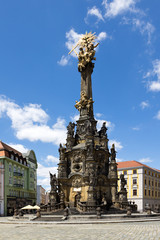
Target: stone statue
(53, 182)
(61, 152)
(88, 127)
(70, 129)
(123, 182)
(61, 196)
(113, 153)
(103, 130)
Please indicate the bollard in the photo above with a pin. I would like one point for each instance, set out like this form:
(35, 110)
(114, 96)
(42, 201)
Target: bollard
(129, 211)
(148, 209)
(66, 213)
(38, 213)
(20, 213)
(15, 212)
(98, 212)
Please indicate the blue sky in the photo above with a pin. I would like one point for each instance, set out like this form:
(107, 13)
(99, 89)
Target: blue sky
(40, 81)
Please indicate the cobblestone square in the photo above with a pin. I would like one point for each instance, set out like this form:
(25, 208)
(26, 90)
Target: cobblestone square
(141, 230)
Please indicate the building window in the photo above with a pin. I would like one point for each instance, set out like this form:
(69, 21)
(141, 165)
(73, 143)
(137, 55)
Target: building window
(149, 192)
(156, 184)
(125, 172)
(12, 156)
(135, 181)
(135, 192)
(15, 169)
(156, 175)
(22, 172)
(134, 171)
(10, 180)
(145, 171)
(152, 194)
(145, 181)
(149, 182)
(14, 181)
(152, 183)
(155, 193)
(16, 159)
(10, 168)
(145, 192)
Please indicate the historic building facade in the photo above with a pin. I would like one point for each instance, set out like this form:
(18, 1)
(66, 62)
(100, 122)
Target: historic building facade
(41, 195)
(142, 183)
(18, 173)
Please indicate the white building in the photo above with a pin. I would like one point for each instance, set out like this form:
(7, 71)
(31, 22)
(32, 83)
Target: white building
(41, 195)
(143, 183)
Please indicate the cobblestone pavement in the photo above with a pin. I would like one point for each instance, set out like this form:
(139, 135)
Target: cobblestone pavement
(145, 230)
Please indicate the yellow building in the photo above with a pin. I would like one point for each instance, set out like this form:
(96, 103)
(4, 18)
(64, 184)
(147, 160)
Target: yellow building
(143, 183)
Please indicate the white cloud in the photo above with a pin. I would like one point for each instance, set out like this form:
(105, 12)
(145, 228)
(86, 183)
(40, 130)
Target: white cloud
(155, 72)
(74, 118)
(30, 122)
(117, 7)
(72, 38)
(144, 104)
(158, 115)
(102, 36)
(64, 60)
(118, 145)
(109, 125)
(51, 159)
(98, 115)
(43, 175)
(119, 160)
(145, 160)
(19, 147)
(135, 128)
(145, 28)
(95, 12)
(154, 86)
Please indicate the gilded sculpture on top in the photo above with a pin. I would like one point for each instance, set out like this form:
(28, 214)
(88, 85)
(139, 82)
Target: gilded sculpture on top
(87, 51)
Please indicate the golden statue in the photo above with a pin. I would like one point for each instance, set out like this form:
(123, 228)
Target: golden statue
(86, 50)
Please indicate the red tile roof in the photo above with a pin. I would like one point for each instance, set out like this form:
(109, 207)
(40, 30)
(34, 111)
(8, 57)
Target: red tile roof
(4, 146)
(132, 164)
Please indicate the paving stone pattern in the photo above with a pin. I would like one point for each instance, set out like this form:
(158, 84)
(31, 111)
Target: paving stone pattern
(147, 231)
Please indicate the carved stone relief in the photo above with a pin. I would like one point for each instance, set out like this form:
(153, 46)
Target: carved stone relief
(77, 182)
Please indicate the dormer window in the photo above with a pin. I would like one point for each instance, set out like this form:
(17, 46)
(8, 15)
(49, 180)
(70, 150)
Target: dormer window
(16, 159)
(12, 156)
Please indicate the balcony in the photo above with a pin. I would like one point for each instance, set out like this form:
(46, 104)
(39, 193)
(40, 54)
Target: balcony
(17, 174)
(18, 185)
